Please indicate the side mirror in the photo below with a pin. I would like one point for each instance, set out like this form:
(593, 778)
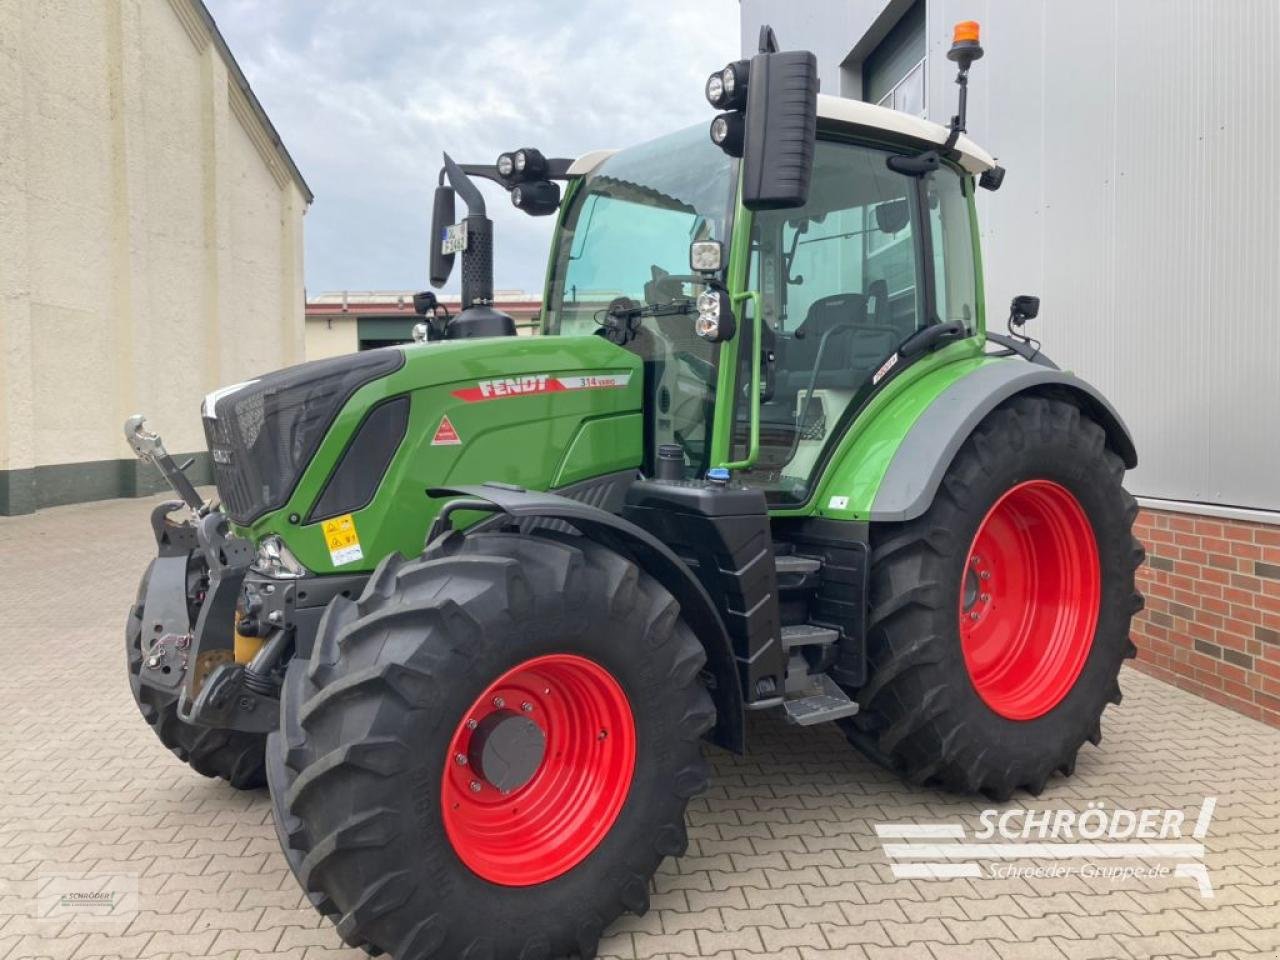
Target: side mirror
(780, 130)
(442, 217)
(893, 215)
(770, 122)
(1023, 308)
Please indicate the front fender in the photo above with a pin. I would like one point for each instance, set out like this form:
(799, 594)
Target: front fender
(926, 451)
(652, 556)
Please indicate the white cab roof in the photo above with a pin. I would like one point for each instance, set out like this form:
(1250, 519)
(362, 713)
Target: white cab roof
(972, 157)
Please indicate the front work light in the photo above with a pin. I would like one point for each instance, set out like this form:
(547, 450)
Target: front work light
(727, 89)
(715, 317)
(733, 81)
(536, 197)
(506, 164)
(715, 90)
(530, 164)
(728, 131)
(706, 256)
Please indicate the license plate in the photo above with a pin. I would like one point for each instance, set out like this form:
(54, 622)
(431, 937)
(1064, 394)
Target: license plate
(454, 239)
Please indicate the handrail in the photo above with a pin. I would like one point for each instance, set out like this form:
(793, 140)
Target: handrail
(757, 318)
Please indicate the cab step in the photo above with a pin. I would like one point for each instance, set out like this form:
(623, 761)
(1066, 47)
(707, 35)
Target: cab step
(806, 634)
(789, 564)
(823, 701)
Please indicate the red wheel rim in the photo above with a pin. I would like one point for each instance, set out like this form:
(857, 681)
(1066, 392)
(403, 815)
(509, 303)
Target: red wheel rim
(547, 825)
(1029, 599)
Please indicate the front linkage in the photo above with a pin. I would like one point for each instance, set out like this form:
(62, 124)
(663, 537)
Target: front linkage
(209, 635)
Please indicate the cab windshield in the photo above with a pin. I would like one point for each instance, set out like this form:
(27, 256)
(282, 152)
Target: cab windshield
(626, 234)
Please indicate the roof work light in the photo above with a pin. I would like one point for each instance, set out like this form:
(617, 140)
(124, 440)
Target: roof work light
(727, 90)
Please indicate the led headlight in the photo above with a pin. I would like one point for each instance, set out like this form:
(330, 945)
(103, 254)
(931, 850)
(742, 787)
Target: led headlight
(715, 318)
(420, 333)
(715, 90)
(506, 165)
(705, 256)
(733, 81)
(274, 559)
(727, 133)
(530, 164)
(536, 197)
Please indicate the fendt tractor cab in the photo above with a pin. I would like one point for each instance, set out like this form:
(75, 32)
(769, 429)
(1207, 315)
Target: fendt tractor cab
(470, 606)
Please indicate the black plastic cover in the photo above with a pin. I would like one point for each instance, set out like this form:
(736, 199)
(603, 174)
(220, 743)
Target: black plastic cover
(722, 534)
(263, 435)
(362, 465)
(782, 126)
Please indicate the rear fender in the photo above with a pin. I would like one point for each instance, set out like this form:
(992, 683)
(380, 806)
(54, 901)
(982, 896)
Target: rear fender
(927, 449)
(652, 556)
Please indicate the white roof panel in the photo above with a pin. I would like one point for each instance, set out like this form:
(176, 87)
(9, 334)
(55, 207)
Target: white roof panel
(972, 157)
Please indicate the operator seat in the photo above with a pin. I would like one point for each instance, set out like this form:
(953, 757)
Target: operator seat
(856, 343)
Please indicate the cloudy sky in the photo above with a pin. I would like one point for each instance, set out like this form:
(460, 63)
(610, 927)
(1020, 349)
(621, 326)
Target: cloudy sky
(367, 93)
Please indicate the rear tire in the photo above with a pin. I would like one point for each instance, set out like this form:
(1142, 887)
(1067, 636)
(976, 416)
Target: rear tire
(230, 755)
(929, 710)
(366, 760)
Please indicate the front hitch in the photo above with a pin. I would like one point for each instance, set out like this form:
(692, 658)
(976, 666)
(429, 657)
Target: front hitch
(189, 625)
(149, 448)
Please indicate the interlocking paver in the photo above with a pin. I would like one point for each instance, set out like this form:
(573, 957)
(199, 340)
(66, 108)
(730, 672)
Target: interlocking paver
(784, 861)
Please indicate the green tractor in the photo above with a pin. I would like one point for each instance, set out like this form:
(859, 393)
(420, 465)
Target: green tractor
(470, 606)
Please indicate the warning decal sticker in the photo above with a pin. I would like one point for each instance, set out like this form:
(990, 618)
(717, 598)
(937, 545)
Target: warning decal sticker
(446, 435)
(531, 383)
(342, 540)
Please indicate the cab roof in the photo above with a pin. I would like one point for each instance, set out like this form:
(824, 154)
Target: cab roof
(860, 114)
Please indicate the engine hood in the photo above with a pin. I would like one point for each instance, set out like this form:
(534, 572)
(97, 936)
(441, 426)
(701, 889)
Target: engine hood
(540, 412)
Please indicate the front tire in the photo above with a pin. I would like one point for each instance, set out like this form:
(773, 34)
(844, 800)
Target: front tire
(1000, 618)
(418, 838)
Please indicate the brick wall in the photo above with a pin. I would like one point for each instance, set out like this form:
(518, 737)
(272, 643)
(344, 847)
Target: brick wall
(1212, 620)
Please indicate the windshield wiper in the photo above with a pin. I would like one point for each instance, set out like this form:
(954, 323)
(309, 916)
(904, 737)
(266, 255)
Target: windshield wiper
(620, 321)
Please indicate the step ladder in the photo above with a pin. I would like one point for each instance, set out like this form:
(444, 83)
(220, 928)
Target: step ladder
(817, 698)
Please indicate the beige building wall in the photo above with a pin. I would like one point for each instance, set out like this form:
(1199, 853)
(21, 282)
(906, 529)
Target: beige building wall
(150, 239)
(331, 336)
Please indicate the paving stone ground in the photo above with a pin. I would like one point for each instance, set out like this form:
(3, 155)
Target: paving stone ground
(783, 862)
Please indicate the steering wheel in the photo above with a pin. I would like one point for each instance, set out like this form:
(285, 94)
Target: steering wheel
(704, 370)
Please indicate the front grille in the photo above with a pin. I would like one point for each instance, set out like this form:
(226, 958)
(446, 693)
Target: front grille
(262, 435)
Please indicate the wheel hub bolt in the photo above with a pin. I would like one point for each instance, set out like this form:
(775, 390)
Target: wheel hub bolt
(499, 702)
(985, 598)
(527, 707)
(472, 724)
(986, 574)
(475, 786)
(974, 615)
(602, 735)
(460, 759)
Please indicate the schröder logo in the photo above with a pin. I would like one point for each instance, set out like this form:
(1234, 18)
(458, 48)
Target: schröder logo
(1097, 836)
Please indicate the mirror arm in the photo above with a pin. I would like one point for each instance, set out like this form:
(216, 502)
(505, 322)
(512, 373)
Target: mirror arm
(464, 187)
(557, 169)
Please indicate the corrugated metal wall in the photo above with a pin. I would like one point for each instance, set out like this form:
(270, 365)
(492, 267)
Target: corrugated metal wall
(1142, 204)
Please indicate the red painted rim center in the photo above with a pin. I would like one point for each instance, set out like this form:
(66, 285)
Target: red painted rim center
(1029, 598)
(552, 820)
